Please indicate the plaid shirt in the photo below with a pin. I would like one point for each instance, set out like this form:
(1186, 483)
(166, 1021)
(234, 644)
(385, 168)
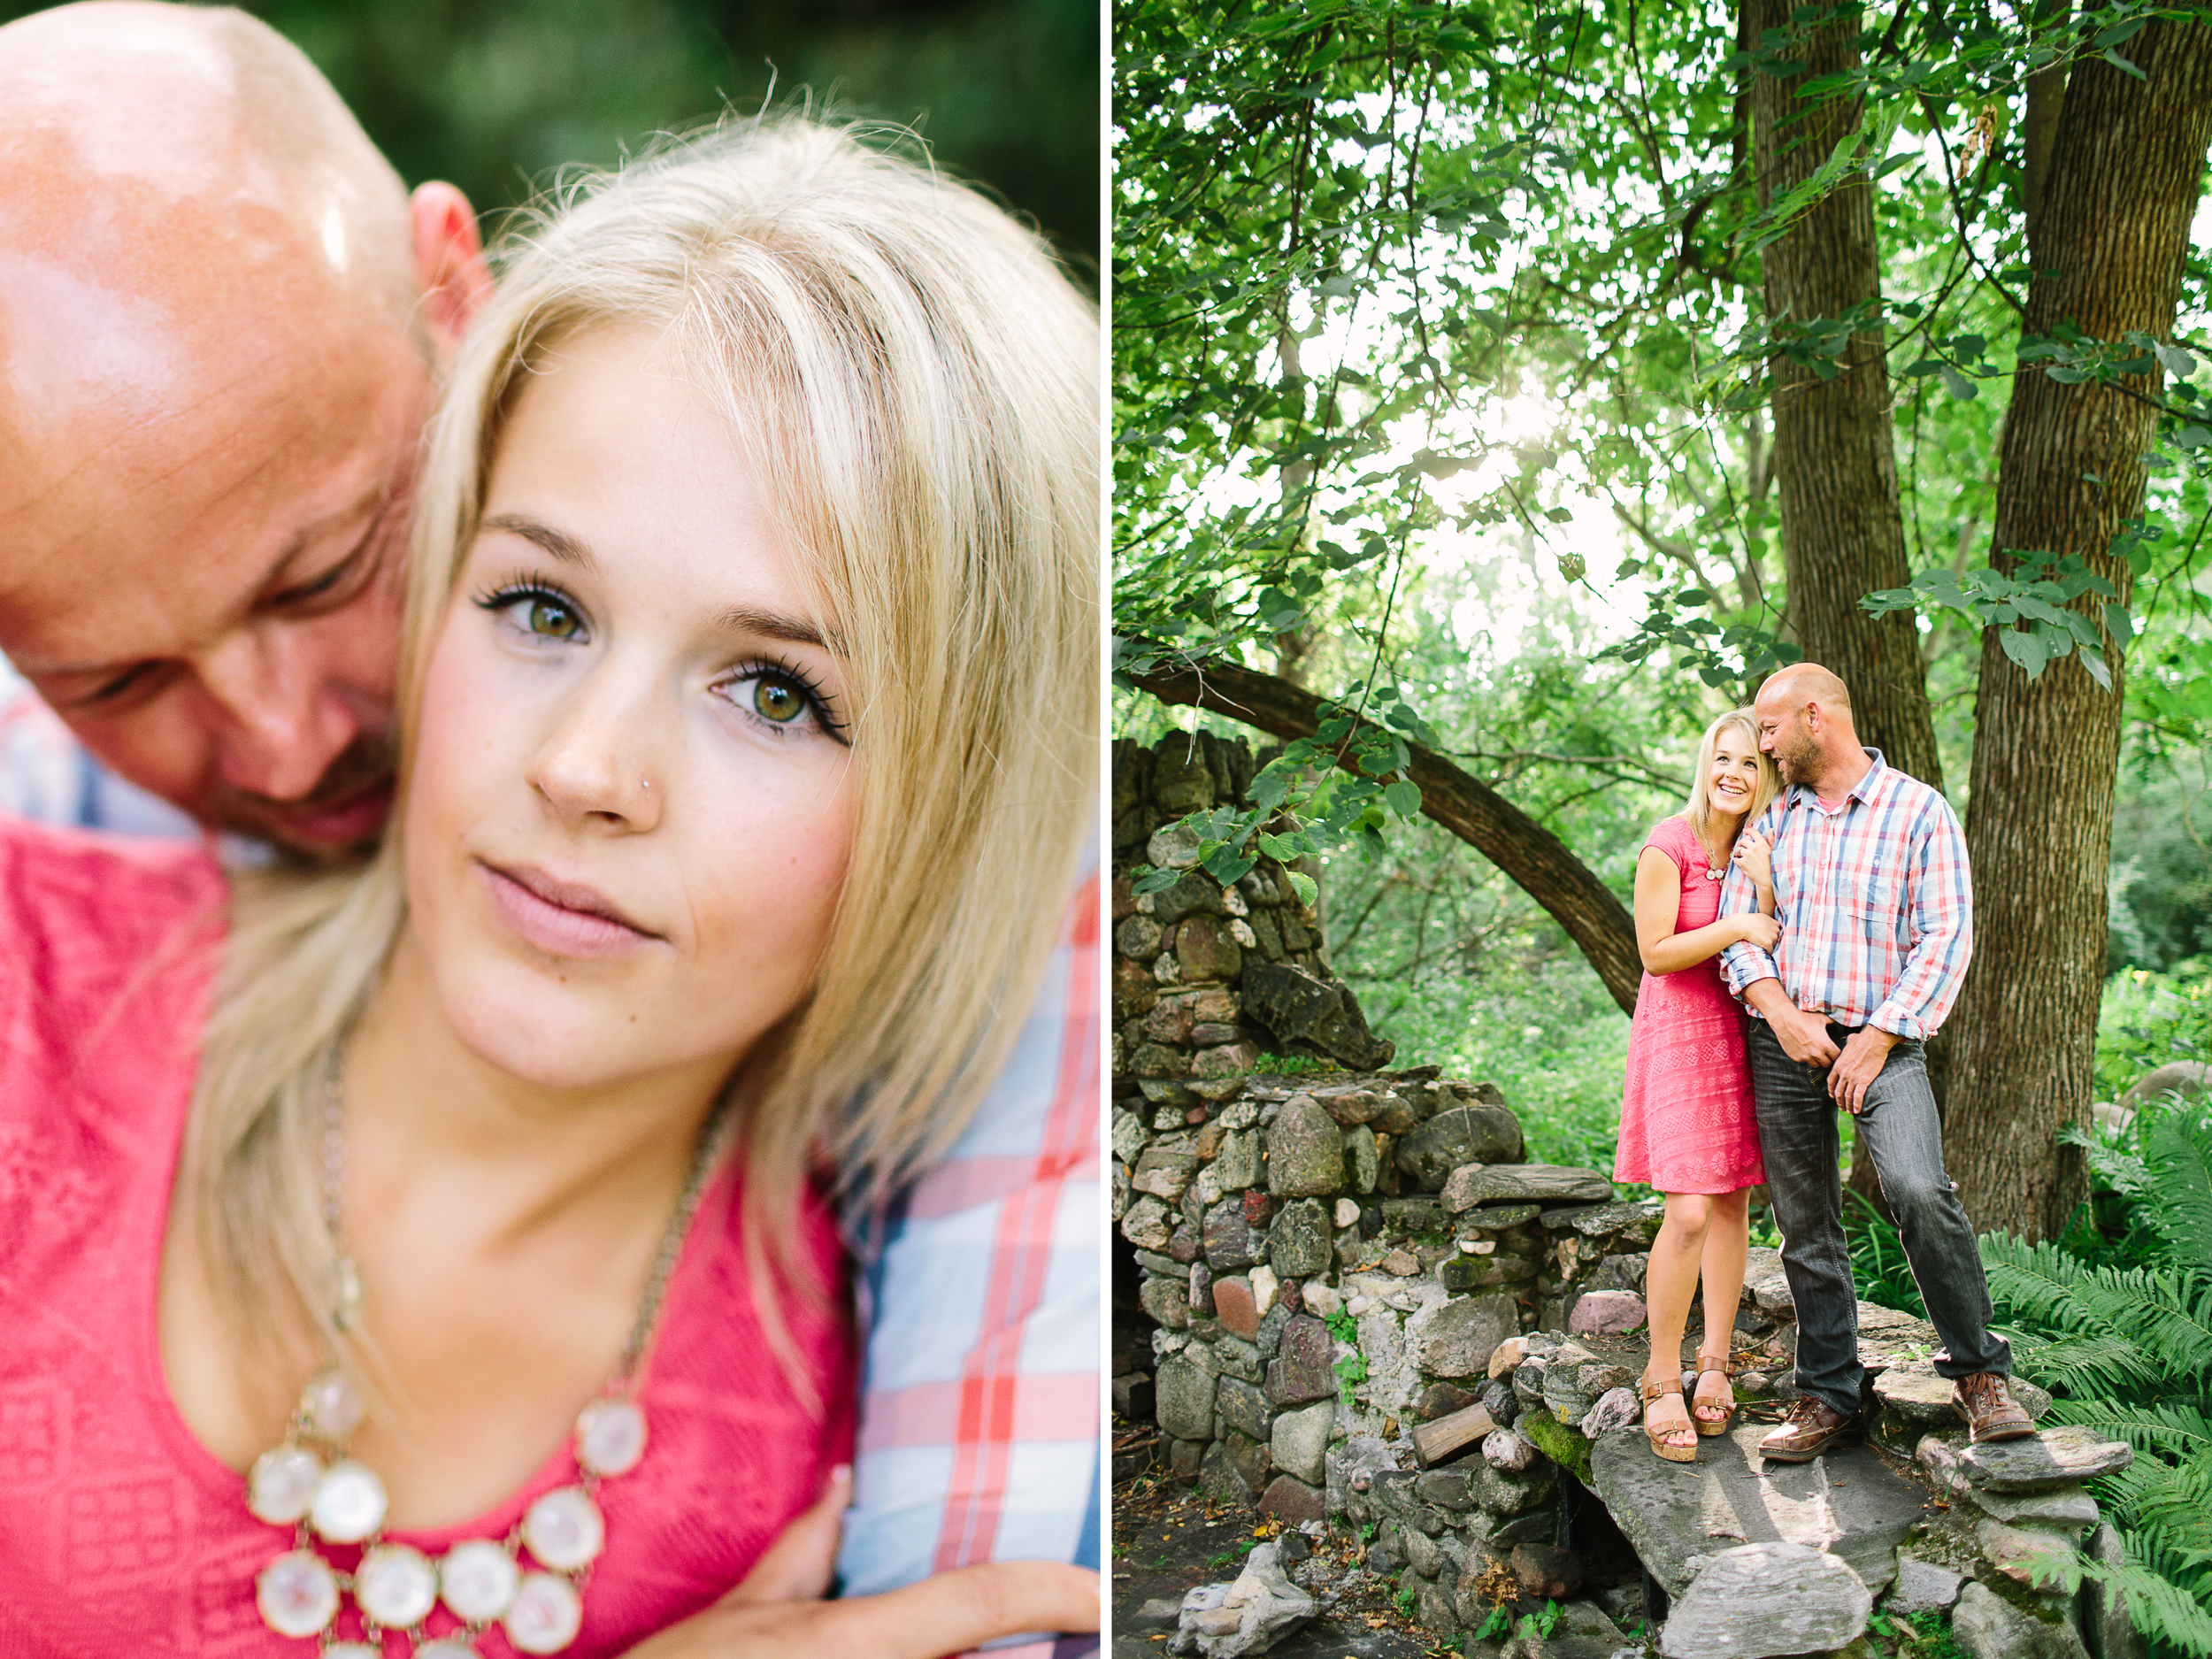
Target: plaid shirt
(978, 1289)
(1875, 901)
(979, 1403)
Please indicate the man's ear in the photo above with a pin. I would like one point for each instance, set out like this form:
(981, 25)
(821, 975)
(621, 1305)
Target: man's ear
(449, 263)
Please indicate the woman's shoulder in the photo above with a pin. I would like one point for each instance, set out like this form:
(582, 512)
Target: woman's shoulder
(82, 913)
(1672, 836)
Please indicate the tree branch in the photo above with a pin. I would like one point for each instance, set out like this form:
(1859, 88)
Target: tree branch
(1529, 856)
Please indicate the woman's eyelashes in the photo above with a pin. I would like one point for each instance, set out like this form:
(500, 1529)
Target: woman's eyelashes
(537, 610)
(779, 698)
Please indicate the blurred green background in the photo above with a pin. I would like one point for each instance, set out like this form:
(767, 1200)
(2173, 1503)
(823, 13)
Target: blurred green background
(493, 95)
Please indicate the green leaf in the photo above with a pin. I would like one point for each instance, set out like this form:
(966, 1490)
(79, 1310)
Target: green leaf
(1303, 886)
(2093, 661)
(1404, 797)
(2023, 648)
(2193, 437)
(2124, 66)
(1958, 385)
(1281, 849)
(1229, 866)
(2177, 362)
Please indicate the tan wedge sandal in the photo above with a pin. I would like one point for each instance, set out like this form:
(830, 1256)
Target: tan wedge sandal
(1726, 1366)
(1653, 1392)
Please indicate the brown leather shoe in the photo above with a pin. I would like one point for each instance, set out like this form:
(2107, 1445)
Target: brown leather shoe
(1989, 1409)
(1814, 1426)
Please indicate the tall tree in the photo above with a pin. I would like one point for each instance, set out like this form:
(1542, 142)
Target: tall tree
(1835, 459)
(2125, 170)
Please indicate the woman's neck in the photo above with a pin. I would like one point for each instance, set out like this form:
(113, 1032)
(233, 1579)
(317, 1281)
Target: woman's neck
(1724, 827)
(426, 1119)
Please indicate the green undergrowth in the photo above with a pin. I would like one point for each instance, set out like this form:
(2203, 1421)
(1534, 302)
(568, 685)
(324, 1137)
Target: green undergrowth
(2115, 1316)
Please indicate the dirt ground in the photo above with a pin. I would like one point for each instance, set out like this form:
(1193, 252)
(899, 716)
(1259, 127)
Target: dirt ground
(1167, 1540)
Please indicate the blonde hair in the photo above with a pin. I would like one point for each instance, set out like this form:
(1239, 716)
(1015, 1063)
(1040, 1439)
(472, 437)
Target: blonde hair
(1699, 811)
(915, 380)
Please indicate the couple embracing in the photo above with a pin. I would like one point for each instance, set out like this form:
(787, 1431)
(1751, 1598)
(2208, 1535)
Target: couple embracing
(1827, 894)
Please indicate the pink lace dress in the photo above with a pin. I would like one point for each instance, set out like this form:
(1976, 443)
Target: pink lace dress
(119, 1533)
(1687, 1122)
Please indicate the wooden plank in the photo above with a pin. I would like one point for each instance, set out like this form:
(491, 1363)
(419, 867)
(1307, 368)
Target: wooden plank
(1432, 1443)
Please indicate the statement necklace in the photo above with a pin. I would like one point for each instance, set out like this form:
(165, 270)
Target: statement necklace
(309, 1484)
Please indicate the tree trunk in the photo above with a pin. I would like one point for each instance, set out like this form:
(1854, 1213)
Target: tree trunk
(1531, 856)
(1842, 535)
(2112, 227)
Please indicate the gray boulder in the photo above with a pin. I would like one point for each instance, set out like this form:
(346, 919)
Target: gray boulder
(1454, 1338)
(2051, 1458)
(1469, 1186)
(1923, 1586)
(1184, 1400)
(1465, 1134)
(1300, 1242)
(1761, 1599)
(1299, 1006)
(1222, 1621)
(1300, 1441)
(1987, 1626)
(1305, 1151)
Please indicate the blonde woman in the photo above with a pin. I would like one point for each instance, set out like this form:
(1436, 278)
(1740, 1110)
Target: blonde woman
(1688, 1126)
(437, 1247)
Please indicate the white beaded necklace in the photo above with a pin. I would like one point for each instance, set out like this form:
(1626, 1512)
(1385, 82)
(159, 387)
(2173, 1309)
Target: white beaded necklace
(310, 1484)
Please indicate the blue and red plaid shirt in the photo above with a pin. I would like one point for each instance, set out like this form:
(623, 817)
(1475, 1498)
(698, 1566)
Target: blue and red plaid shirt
(1874, 902)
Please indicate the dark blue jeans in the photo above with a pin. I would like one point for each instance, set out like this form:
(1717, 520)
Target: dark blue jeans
(1798, 1140)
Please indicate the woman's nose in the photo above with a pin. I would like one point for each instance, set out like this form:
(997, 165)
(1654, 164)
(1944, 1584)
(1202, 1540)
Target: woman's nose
(596, 762)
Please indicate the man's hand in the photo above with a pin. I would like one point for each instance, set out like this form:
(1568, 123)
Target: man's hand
(1863, 1058)
(778, 1611)
(1804, 1037)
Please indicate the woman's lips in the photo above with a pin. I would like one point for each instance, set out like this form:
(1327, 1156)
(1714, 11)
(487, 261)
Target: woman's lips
(562, 918)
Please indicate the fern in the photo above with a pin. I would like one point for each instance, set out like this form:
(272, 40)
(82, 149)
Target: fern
(2128, 1349)
(2181, 1164)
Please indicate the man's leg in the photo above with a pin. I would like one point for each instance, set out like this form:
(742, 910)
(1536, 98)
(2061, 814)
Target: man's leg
(1799, 1141)
(1903, 1136)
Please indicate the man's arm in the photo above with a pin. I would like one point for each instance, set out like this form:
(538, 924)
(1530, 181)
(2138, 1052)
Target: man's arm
(979, 1404)
(1939, 929)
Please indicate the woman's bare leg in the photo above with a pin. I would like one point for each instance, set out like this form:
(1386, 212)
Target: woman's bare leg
(1670, 1282)
(1727, 1239)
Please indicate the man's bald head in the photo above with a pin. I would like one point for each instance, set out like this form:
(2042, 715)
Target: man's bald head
(1804, 717)
(220, 314)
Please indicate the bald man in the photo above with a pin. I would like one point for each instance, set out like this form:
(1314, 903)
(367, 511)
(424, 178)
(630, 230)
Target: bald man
(222, 317)
(1871, 890)
(222, 320)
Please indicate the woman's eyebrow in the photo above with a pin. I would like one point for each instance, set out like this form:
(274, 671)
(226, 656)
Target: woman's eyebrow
(776, 625)
(556, 543)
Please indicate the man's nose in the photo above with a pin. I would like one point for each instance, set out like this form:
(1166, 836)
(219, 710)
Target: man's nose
(276, 734)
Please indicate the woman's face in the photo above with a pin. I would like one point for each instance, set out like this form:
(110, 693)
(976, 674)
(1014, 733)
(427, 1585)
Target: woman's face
(631, 804)
(1733, 780)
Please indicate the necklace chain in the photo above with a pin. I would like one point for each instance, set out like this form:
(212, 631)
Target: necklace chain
(396, 1587)
(346, 1309)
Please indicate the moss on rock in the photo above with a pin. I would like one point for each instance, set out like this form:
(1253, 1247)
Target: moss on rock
(1563, 1445)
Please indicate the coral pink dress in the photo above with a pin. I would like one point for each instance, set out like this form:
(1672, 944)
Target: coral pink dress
(1687, 1122)
(119, 1533)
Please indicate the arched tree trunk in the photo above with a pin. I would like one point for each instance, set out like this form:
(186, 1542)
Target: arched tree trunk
(1529, 856)
(2125, 168)
(1834, 454)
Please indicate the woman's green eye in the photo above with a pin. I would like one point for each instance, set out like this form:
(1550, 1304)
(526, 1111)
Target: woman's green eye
(777, 701)
(551, 617)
